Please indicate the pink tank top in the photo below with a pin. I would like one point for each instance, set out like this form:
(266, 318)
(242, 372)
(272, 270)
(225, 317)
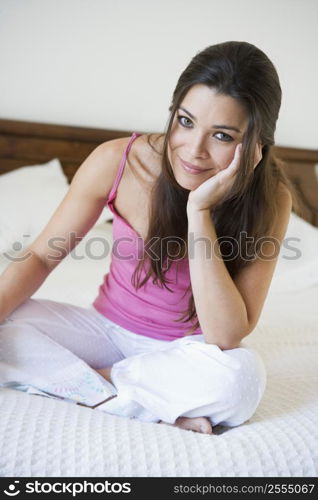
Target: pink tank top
(150, 310)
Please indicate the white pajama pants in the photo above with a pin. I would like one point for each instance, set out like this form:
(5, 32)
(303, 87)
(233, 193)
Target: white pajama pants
(56, 347)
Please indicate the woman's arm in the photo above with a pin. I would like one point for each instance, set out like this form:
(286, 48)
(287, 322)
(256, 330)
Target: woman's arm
(220, 308)
(75, 215)
(228, 310)
(20, 280)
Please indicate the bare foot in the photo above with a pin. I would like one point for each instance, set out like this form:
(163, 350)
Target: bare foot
(196, 424)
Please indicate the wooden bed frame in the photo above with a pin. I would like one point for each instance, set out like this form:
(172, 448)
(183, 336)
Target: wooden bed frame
(27, 143)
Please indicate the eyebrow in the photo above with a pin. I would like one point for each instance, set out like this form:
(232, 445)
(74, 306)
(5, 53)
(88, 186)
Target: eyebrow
(227, 127)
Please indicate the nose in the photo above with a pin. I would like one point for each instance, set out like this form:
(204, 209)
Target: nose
(197, 146)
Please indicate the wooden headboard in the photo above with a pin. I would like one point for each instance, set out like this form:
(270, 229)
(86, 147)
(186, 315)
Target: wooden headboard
(27, 143)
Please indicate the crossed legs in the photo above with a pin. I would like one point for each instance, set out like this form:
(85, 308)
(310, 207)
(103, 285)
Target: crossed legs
(196, 424)
(190, 384)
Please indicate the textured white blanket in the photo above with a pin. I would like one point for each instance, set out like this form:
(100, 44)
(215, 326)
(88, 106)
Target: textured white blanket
(46, 437)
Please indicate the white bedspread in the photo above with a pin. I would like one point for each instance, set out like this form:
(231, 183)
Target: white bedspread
(46, 437)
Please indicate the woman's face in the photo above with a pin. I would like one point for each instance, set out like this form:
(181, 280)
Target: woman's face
(205, 131)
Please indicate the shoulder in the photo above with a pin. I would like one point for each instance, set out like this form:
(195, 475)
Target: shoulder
(143, 161)
(113, 149)
(284, 197)
(145, 155)
(284, 201)
(284, 204)
(97, 173)
(145, 148)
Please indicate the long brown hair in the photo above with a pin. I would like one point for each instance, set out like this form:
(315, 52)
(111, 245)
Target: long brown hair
(244, 72)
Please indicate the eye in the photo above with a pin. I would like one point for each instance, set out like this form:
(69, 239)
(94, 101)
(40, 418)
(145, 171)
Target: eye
(184, 121)
(226, 137)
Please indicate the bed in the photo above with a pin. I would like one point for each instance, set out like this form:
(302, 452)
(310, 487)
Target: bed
(45, 437)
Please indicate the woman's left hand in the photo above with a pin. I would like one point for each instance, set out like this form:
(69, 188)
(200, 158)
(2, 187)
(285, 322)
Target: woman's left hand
(213, 190)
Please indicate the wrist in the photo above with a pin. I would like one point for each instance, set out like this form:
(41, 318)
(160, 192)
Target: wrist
(198, 218)
(193, 210)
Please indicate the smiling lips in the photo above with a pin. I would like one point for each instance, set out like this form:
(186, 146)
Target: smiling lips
(192, 169)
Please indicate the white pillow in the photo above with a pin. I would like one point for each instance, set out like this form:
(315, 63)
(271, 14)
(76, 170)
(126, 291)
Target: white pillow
(28, 198)
(297, 265)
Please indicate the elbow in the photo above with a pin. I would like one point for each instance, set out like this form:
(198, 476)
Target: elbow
(228, 340)
(224, 346)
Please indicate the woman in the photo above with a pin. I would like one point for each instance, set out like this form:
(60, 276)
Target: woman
(199, 215)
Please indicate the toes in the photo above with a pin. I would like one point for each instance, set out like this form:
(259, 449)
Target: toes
(198, 424)
(204, 425)
(206, 428)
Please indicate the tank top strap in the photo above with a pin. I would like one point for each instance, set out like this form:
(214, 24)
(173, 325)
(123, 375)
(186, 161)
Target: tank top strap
(113, 192)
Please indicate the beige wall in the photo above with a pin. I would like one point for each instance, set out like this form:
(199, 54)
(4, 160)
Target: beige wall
(114, 63)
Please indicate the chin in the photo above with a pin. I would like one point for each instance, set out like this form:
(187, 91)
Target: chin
(190, 185)
(187, 182)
